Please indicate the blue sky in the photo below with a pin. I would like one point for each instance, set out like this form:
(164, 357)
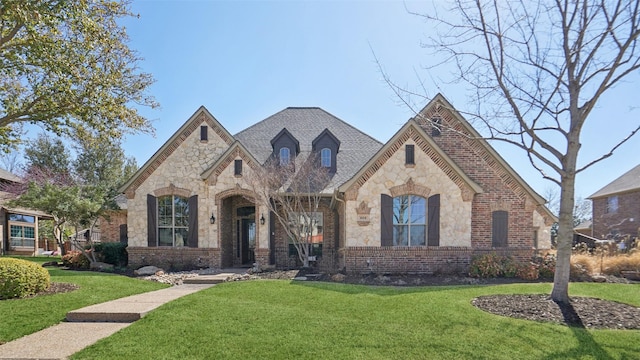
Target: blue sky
(246, 60)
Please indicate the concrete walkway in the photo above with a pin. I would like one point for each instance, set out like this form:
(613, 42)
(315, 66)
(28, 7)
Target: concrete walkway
(86, 326)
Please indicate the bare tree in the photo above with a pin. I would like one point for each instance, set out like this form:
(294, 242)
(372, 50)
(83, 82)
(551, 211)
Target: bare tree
(294, 197)
(536, 71)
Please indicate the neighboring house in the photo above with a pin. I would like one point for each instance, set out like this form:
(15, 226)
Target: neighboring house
(616, 207)
(19, 227)
(426, 201)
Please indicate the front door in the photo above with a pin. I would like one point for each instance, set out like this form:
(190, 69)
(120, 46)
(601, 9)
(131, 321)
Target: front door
(248, 241)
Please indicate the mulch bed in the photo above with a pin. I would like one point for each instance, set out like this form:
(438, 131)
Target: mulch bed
(580, 312)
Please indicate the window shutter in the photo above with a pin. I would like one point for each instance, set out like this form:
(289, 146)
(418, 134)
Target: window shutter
(192, 240)
(123, 234)
(204, 134)
(499, 226)
(433, 209)
(152, 221)
(409, 152)
(386, 220)
(237, 167)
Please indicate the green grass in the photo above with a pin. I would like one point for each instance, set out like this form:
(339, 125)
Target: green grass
(284, 320)
(20, 317)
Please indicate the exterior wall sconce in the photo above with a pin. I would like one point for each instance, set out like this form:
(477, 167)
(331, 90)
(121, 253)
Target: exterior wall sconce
(212, 219)
(261, 219)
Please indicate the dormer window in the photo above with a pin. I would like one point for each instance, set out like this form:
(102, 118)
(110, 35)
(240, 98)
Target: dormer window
(325, 157)
(285, 148)
(326, 148)
(285, 156)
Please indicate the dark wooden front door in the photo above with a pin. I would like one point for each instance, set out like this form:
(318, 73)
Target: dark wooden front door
(248, 241)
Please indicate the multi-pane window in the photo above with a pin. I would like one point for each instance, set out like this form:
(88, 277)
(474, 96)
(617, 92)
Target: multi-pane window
(409, 220)
(309, 228)
(612, 205)
(22, 231)
(173, 220)
(325, 157)
(284, 156)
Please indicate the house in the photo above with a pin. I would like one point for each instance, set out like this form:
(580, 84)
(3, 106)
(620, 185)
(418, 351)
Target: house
(19, 227)
(425, 201)
(616, 207)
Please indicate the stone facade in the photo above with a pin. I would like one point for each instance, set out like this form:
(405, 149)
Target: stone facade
(472, 182)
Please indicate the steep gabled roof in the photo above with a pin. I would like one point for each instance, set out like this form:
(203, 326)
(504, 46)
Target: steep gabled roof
(305, 124)
(202, 115)
(629, 181)
(412, 130)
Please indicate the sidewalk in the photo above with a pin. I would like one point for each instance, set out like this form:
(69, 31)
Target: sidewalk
(86, 326)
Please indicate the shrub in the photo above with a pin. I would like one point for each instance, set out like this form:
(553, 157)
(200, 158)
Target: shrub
(614, 264)
(20, 278)
(528, 271)
(75, 260)
(582, 267)
(112, 253)
(486, 266)
(546, 265)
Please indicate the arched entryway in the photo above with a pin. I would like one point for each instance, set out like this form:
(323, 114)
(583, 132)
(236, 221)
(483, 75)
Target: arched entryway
(238, 231)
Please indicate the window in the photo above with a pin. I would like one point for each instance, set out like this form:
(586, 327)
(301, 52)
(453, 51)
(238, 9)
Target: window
(409, 220)
(204, 135)
(309, 228)
(173, 220)
(409, 154)
(436, 126)
(325, 157)
(612, 205)
(499, 228)
(237, 168)
(284, 156)
(22, 231)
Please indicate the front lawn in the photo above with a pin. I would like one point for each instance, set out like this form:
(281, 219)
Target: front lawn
(285, 320)
(20, 317)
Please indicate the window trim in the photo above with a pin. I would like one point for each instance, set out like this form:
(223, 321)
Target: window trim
(325, 155)
(284, 153)
(173, 225)
(410, 223)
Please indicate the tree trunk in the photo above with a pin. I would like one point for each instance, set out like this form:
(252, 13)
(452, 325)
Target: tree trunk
(560, 292)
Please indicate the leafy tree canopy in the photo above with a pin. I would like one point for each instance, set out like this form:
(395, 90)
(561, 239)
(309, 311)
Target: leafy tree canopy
(66, 66)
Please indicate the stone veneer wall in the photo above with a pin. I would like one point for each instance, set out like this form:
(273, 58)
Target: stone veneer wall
(174, 259)
(419, 260)
(455, 213)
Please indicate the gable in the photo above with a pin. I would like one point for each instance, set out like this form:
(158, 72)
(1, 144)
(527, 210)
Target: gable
(411, 131)
(456, 133)
(236, 150)
(199, 118)
(627, 182)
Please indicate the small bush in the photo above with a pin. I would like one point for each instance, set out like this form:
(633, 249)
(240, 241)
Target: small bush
(582, 267)
(528, 271)
(614, 264)
(75, 260)
(486, 266)
(20, 278)
(546, 266)
(112, 253)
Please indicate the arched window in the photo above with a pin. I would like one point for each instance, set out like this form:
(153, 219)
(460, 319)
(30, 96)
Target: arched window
(173, 220)
(409, 220)
(284, 156)
(325, 157)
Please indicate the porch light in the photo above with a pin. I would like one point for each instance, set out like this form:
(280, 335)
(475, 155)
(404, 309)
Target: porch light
(261, 219)
(212, 219)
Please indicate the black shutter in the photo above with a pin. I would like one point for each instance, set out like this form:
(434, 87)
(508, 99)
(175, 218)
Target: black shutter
(123, 234)
(499, 226)
(433, 211)
(204, 135)
(152, 221)
(237, 167)
(192, 237)
(386, 220)
(409, 153)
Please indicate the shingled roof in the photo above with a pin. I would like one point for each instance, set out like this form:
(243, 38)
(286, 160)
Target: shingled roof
(629, 181)
(305, 124)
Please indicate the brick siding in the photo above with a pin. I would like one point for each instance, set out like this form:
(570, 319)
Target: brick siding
(628, 208)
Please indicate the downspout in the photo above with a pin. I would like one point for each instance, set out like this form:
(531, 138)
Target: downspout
(336, 198)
